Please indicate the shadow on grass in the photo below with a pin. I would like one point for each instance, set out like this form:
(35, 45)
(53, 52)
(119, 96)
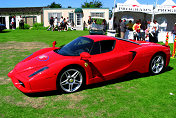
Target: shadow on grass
(127, 77)
(5, 31)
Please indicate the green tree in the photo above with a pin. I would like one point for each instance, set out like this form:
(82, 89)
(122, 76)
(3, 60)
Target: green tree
(93, 4)
(54, 5)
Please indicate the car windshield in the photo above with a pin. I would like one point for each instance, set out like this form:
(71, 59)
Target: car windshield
(76, 47)
(97, 27)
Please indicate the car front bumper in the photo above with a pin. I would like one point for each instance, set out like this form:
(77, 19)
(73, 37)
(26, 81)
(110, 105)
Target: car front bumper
(21, 83)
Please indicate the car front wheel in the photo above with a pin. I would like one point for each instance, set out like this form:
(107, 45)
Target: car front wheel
(71, 80)
(157, 64)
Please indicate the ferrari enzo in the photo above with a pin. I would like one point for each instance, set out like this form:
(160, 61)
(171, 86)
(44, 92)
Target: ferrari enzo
(87, 60)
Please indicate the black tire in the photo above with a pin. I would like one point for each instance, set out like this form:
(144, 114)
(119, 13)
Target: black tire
(157, 64)
(71, 79)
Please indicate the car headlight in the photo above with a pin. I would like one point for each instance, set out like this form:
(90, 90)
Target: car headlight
(36, 72)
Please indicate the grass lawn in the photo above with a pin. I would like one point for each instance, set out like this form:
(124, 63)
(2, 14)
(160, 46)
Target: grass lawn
(132, 96)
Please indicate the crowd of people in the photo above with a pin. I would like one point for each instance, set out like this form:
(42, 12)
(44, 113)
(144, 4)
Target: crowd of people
(141, 30)
(60, 25)
(63, 24)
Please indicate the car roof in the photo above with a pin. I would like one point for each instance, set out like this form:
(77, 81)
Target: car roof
(100, 37)
(104, 37)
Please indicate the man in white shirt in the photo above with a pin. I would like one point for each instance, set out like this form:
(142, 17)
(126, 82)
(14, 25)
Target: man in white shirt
(61, 19)
(13, 22)
(68, 23)
(154, 28)
(55, 24)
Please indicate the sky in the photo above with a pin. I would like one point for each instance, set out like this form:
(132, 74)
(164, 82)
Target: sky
(65, 3)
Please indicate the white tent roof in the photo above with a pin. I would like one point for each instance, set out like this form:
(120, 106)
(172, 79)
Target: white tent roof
(134, 6)
(168, 2)
(132, 2)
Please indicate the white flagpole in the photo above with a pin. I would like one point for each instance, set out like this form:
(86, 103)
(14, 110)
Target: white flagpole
(153, 15)
(113, 15)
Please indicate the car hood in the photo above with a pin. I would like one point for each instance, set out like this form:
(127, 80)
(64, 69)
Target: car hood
(39, 61)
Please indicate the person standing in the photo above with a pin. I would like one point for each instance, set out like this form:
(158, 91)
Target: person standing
(13, 23)
(104, 23)
(61, 22)
(154, 27)
(147, 31)
(136, 30)
(122, 29)
(130, 25)
(55, 23)
(51, 24)
(143, 28)
(72, 25)
(68, 23)
(61, 19)
(21, 23)
(64, 24)
(89, 22)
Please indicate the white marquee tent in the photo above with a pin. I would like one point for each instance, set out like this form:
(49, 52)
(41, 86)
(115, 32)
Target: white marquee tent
(167, 7)
(133, 10)
(132, 2)
(168, 2)
(165, 13)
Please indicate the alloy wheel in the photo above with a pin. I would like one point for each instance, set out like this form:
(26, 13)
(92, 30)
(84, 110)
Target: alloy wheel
(71, 80)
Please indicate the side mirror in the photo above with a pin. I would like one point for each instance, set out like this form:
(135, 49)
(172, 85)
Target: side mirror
(54, 43)
(85, 56)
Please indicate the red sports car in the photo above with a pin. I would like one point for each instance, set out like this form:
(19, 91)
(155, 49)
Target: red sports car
(87, 60)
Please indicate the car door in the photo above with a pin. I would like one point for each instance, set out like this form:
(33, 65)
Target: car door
(106, 59)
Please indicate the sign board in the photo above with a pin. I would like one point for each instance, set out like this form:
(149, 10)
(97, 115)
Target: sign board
(134, 8)
(161, 9)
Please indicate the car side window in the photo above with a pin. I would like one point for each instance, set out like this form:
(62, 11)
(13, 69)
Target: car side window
(102, 47)
(96, 48)
(107, 45)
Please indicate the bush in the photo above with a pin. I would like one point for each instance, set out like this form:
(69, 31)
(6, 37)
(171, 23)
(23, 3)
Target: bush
(38, 26)
(26, 26)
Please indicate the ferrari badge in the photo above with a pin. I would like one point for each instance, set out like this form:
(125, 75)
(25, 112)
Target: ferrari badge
(86, 64)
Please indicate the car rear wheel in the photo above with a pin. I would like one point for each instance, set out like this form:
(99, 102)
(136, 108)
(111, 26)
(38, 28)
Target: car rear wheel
(71, 80)
(157, 64)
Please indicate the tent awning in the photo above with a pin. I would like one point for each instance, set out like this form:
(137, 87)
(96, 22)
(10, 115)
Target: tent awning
(132, 2)
(78, 10)
(168, 2)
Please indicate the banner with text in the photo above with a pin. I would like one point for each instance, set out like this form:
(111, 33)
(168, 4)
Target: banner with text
(134, 8)
(160, 9)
